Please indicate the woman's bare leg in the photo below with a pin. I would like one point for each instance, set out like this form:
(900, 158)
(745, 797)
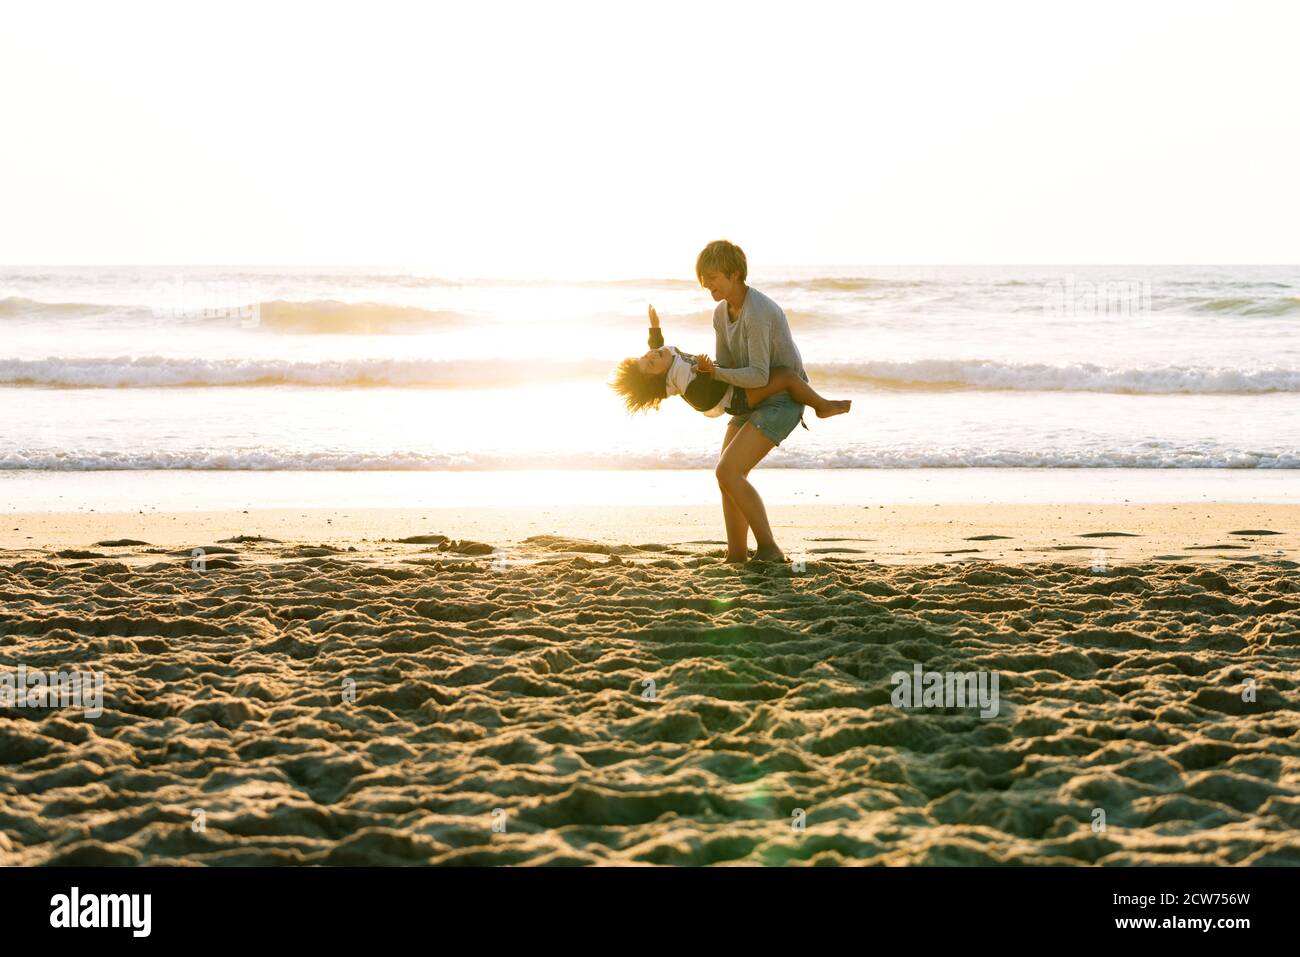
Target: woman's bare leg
(732, 516)
(741, 454)
(783, 379)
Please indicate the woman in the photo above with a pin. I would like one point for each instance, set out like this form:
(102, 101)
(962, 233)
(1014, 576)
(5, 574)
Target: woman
(752, 336)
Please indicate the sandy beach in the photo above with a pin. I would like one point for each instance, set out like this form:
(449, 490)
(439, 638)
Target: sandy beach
(593, 685)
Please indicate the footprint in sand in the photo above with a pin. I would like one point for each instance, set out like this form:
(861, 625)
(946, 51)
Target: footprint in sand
(1109, 535)
(207, 550)
(309, 551)
(1256, 531)
(985, 538)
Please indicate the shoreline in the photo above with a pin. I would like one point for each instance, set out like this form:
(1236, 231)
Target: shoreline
(1070, 533)
(236, 490)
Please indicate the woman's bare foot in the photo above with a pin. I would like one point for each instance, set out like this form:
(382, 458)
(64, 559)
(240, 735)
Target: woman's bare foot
(736, 559)
(768, 553)
(833, 407)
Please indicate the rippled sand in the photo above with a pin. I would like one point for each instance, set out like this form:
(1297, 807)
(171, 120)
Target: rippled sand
(503, 713)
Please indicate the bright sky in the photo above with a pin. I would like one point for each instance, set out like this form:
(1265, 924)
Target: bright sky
(595, 138)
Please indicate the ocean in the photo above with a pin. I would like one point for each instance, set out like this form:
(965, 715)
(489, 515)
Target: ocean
(347, 369)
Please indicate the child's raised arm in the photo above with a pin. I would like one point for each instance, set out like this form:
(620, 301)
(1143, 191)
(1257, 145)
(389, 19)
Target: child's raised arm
(656, 339)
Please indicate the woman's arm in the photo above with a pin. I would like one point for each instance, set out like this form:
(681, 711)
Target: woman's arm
(656, 339)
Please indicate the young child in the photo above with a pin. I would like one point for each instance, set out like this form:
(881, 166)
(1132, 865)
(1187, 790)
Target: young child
(666, 370)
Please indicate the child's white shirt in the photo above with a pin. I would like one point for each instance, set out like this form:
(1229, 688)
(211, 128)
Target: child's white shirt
(682, 373)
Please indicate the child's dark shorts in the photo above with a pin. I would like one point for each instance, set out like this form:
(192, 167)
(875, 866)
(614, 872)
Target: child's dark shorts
(739, 405)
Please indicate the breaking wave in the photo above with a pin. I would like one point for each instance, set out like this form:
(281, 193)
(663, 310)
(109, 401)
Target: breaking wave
(921, 374)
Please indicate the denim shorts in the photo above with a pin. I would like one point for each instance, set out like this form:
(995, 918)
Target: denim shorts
(776, 417)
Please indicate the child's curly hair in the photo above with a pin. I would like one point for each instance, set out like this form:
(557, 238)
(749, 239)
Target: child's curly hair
(640, 390)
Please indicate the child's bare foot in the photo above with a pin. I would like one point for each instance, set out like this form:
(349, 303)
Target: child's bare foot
(833, 407)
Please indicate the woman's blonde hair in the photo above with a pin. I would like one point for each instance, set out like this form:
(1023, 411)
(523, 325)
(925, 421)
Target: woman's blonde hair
(721, 256)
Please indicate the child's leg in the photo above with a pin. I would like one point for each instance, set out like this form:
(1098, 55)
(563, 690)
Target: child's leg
(783, 379)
